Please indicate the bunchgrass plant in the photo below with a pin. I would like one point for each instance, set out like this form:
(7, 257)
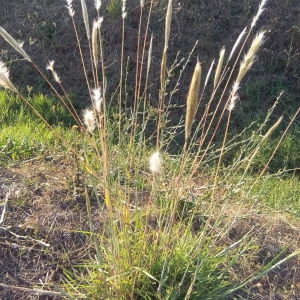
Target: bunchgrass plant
(163, 234)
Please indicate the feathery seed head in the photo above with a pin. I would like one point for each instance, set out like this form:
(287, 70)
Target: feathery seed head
(219, 67)
(232, 102)
(142, 3)
(97, 99)
(85, 18)
(124, 13)
(98, 22)
(4, 78)
(192, 99)
(155, 163)
(97, 4)
(95, 48)
(21, 44)
(69, 6)
(250, 56)
(56, 77)
(89, 119)
(50, 65)
(259, 13)
(233, 96)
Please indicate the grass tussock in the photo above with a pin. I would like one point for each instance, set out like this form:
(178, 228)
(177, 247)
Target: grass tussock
(168, 217)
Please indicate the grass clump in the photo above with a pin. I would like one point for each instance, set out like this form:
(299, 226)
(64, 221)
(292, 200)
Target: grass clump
(279, 194)
(23, 134)
(165, 218)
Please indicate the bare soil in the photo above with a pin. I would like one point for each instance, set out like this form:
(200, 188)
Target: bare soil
(47, 212)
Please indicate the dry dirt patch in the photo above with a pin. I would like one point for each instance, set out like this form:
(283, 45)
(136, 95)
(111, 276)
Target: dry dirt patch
(41, 210)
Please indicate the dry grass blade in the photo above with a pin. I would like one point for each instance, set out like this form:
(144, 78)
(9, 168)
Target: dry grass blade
(14, 43)
(192, 99)
(31, 290)
(209, 73)
(149, 55)
(4, 205)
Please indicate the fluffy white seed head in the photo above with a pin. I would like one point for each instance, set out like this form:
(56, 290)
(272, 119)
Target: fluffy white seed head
(56, 77)
(233, 96)
(21, 43)
(70, 8)
(124, 13)
(219, 67)
(50, 65)
(259, 13)
(97, 23)
(4, 78)
(97, 4)
(155, 163)
(89, 119)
